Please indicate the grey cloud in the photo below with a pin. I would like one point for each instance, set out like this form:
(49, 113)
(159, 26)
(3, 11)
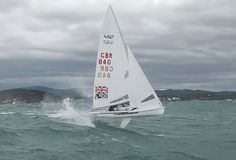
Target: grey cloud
(180, 44)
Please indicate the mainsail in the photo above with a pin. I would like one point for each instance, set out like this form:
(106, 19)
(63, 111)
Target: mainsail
(111, 77)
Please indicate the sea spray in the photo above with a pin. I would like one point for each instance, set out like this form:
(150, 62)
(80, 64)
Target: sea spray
(69, 114)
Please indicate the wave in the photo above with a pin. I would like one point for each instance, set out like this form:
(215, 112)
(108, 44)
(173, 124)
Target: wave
(187, 155)
(6, 113)
(68, 114)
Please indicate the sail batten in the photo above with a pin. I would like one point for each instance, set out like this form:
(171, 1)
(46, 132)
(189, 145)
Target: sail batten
(148, 98)
(125, 97)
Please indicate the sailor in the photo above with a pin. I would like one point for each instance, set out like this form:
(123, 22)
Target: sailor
(113, 108)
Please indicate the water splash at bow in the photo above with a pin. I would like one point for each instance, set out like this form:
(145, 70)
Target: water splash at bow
(68, 113)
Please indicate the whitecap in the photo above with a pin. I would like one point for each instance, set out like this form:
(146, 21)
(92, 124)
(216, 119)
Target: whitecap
(71, 115)
(5, 113)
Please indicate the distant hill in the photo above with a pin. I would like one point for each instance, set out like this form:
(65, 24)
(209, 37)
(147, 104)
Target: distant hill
(187, 94)
(63, 93)
(26, 96)
(37, 94)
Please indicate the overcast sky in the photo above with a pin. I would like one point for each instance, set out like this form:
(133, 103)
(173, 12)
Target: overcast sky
(179, 43)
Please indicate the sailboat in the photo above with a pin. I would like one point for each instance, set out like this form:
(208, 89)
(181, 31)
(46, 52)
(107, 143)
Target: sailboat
(121, 89)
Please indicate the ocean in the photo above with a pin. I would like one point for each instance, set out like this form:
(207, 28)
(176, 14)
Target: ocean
(189, 130)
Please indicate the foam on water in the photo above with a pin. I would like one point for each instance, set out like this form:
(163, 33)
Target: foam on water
(69, 114)
(5, 113)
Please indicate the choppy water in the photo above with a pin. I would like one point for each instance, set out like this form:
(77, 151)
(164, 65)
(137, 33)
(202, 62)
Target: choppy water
(190, 130)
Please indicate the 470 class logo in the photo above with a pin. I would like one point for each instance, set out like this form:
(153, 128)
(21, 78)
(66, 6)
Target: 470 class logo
(109, 36)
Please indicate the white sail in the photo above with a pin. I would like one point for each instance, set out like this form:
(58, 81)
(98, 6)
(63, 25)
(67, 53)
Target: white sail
(120, 79)
(141, 93)
(110, 84)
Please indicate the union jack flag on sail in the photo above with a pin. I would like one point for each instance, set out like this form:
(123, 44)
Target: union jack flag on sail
(101, 92)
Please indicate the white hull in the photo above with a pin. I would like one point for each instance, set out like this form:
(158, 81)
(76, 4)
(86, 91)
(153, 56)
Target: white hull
(129, 114)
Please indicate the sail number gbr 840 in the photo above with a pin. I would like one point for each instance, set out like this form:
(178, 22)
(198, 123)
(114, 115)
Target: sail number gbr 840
(105, 65)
